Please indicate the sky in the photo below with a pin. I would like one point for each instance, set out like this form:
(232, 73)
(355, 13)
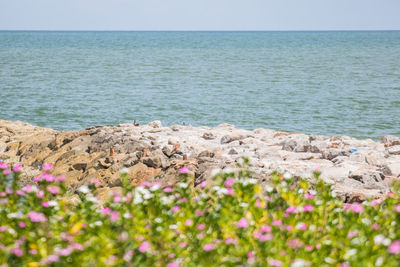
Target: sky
(199, 14)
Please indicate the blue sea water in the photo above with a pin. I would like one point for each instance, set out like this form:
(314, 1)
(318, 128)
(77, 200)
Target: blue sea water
(333, 83)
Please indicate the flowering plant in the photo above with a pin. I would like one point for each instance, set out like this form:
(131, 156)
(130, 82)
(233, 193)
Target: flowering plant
(229, 220)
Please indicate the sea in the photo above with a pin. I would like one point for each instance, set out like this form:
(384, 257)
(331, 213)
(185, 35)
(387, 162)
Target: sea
(331, 83)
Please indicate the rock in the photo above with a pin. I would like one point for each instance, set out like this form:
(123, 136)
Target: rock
(226, 139)
(394, 150)
(232, 152)
(370, 179)
(155, 124)
(390, 140)
(140, 172)
(209, 136)
(156, 162)
(206, 154)
(356, 198)
(332, 153)
(394, 168)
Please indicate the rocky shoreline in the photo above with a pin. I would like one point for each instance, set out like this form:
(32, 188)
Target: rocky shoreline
(356, 168)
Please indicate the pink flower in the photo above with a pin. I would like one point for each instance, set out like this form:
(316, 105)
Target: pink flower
(230, 240)
(175, 208)
(114, 216)
(183, 200)
(48, 177)
(144, 246)
(266, 228)
(171, 255)
(3, 228)
(229, 182)
(47, 166)
(309, 196)
(229, 191)
(250, 254)
(203, 184)
(33, 251)
(188, 222)
(184, 170)
(374, 226)
(52, 258)
(19, 192)
(266, 237)
(77, 246)
(17, 252)
(17, 168)
(291, 209)
(168, 190)
(37, 179)
(289, 228)
(208, 247)
(397, 208)
(2, 194)
(182, 244)
(36, 216)
(64, 252)
(275, 263)
(352, 234)
(199, 213)
(357, 208)
(277, 222)
(45, 204)
(201, 226)
(61, 178)
(309, 247)
(6, 171)
(303, 226)
(308, 207)
(174, 264)
(3, 165)
(394, 247)
(40, 194)
(53, 189)
(22, 224)
(105, 210)
(243, 223)
(96, 182)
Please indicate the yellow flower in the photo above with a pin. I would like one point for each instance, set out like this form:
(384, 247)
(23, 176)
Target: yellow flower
(75, 229)
(257, 189)
(33, 264)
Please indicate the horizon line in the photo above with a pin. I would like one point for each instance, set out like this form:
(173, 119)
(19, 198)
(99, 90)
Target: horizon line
(89, 30)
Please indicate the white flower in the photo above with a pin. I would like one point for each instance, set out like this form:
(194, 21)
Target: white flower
(173, 227)
(287, 176)
(387, 242)
(378, 239)
(90, 198)
(98, 223)
(159, 228)
(53, 203)
(137, 199)
(155, 187)
(350, 253)
(244, 204)
(366, 221)
(147, 196)
(379, 261)
(299, 263)
(158, 220)
(183, 185)
(124, 170)
(268, 188)
(84, 189)
(329, 260)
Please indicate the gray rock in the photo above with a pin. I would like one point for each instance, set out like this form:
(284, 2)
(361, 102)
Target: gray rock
(209, 136)
(394, 150)
(394, 168)
(370, 179)
(226, 139)
(332, 153)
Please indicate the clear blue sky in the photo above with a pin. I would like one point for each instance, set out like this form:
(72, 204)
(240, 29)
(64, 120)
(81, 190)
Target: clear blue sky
(200, 14)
